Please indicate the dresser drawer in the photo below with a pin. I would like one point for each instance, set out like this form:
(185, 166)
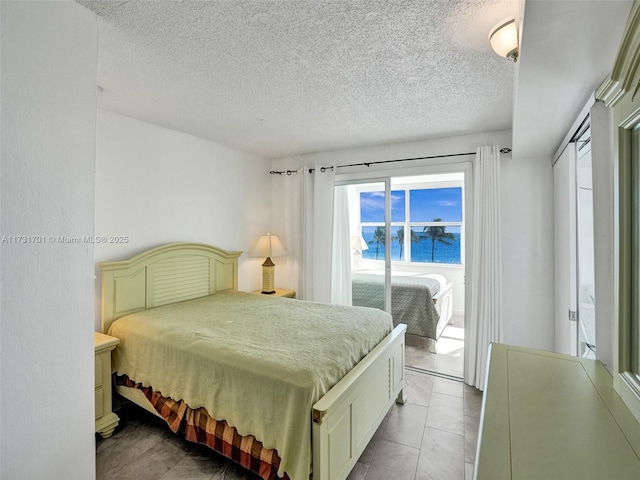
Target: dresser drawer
(106, 420)
(99, 371)
(99, 402)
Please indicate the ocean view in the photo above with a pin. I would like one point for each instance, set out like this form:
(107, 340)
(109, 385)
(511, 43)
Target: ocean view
(420, 251)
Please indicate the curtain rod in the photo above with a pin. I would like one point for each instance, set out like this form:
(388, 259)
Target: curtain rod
(368, 164)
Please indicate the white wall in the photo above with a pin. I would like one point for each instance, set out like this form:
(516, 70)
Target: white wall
(157, 186)
(48, 94)
(528, 254)
(527, 209)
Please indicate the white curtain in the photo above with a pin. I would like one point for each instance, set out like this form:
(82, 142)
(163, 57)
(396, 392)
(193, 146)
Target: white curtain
(317, 234)
(289, 268)
(341, 264)
(486, 296)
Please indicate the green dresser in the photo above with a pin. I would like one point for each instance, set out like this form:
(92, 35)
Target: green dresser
(552, 416)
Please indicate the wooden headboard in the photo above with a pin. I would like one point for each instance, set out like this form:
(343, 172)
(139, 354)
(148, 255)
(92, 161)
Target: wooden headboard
(166, 274)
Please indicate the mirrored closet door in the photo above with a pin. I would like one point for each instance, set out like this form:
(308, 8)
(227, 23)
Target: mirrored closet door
(586, 346)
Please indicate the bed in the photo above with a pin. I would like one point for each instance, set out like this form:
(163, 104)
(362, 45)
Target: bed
(317, 420)
(421, 301)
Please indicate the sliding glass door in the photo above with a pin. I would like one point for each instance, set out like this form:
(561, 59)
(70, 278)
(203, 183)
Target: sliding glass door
(372, 240)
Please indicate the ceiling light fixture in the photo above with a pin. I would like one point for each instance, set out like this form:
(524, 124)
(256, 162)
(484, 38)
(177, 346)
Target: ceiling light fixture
(504, 39)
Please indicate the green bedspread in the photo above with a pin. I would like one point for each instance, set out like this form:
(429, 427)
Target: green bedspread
(258, 362)
(411, 300)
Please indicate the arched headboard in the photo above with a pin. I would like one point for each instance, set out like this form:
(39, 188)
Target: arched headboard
(166, 274)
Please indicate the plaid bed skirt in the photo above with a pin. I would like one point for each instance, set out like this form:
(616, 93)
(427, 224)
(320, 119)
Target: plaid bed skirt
(199, 427)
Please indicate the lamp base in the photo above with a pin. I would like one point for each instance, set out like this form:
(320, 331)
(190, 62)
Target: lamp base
(268, 272)
(357, 259)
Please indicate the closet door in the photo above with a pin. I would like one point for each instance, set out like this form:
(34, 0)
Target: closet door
(586, 296)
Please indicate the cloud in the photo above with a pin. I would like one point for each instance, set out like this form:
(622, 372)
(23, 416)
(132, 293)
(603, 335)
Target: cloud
(375, 200)
(368, 203)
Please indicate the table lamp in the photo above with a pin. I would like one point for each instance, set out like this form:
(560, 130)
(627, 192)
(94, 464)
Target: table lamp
(268, 246)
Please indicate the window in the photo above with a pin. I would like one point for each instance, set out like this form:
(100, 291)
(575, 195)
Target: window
(372, 223)
(431, 214)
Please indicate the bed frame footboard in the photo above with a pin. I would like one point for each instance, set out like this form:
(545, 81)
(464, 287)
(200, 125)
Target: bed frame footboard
(347, 416)
(443, 302)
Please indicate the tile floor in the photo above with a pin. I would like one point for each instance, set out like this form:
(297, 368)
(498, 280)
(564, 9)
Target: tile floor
(432, 436)
(448, 358)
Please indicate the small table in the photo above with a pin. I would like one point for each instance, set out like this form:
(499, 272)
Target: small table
(280, 292)
(106, 420)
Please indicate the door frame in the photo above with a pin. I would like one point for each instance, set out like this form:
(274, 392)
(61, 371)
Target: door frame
(431, 168)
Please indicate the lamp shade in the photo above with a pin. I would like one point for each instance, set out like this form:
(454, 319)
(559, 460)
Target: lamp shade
(268, 246)
(504, 39)
(358, 243)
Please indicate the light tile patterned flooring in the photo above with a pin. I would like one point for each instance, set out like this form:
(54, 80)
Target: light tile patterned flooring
(432, 436)
(448, 357)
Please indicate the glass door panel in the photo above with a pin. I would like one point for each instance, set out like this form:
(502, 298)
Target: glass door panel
(373, 243)
(585, 249)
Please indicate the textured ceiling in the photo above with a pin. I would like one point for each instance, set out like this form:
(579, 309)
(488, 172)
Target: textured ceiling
(279, 78)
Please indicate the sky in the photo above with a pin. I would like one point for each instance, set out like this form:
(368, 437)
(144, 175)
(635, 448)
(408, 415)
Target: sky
(425, 205)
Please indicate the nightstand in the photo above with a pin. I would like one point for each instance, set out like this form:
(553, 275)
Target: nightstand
(280, 292)
(106, 420)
